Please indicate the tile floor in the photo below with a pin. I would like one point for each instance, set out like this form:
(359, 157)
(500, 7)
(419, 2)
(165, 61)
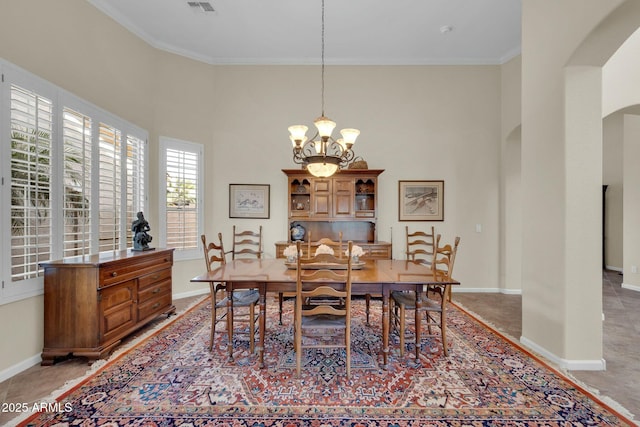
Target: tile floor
(620, 382)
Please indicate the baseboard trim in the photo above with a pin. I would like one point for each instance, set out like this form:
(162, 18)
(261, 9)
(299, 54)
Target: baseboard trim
(631, 287)
(456, 289)
(19, 367)
(609, 267)
(194, 293)
(570, 365)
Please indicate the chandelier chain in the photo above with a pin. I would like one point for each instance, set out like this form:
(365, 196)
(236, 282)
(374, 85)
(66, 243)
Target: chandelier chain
(324, 156)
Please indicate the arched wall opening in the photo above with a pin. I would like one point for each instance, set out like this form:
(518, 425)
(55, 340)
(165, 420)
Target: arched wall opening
(562, 174)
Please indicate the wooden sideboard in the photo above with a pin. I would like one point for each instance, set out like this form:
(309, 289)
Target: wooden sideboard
(92, 302)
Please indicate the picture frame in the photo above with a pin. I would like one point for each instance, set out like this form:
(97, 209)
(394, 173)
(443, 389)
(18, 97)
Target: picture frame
(421, 200)
(249, 200)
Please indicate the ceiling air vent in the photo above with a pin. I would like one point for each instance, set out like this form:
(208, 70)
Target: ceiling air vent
(205, 6)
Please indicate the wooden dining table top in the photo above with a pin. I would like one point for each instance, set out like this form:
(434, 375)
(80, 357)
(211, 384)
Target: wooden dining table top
(378, 271)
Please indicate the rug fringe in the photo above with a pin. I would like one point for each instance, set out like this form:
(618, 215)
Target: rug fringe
(69, 385)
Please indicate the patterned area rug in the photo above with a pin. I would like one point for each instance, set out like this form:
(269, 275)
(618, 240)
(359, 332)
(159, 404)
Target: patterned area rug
(171, 378)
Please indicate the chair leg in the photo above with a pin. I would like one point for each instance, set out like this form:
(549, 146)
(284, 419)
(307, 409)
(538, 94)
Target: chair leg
(401, 332)
(230, 325)
(443, 331)
(280, 301)
(443, 319)
(348, 350)
(213, 318)
(297, 339)
(367, 299)
(429, 318)
(252, 327)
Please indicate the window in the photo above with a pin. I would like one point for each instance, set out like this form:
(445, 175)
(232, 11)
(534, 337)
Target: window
(73, 177)
(181, 210)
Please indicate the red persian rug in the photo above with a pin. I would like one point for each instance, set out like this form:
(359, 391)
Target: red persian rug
(171, 379)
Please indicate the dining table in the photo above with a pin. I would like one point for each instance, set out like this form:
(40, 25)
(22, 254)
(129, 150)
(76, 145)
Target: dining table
(373, 277)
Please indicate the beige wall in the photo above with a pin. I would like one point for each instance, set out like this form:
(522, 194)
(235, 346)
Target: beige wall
(510, 186)
(631, 201)
(620, 77)
(431, 122)
(612, 176)
(562, 108)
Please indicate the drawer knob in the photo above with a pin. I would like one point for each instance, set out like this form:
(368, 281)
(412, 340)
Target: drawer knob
(114, 274)
(156, 305)
(155, 277)
(156, 290)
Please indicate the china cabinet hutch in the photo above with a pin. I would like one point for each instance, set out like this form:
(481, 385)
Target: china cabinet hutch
(345, 202)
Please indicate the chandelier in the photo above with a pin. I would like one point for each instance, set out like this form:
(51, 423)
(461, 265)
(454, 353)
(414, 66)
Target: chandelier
(322, 155)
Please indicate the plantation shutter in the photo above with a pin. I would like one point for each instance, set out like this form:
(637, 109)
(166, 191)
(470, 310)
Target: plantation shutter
(77, 140)
(31, 124)
(110, 192)
(135, 186)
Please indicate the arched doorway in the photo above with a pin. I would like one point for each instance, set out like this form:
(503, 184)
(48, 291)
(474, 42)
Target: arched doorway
(562, 174)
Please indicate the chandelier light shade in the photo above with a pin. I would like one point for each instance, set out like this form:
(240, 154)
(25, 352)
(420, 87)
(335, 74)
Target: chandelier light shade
(322, 155)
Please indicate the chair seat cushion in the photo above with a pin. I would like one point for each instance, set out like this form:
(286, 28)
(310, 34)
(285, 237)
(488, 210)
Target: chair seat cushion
(321, 321)
(408, 299)
(221, 303)
(245, 297)
(241, 298)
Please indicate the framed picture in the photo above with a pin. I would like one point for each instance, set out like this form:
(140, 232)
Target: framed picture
(421, 200)
(248, 200)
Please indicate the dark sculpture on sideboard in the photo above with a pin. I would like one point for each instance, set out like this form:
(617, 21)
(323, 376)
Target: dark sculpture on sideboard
(141, 238)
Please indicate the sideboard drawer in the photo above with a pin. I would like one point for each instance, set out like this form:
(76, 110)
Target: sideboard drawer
(134, 267)
(150, 279)
(154, 306)
(158, 288)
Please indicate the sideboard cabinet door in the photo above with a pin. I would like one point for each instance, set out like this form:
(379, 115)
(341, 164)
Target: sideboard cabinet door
(117, 310)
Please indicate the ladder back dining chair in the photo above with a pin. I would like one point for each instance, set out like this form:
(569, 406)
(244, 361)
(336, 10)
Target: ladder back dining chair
(309, 253)
(443, 261)
(246, 243)
(434, 300)
(324, 325)
(244, 301)
(420, 245)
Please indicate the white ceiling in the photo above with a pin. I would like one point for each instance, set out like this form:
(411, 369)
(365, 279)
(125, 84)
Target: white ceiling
(385, 32)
